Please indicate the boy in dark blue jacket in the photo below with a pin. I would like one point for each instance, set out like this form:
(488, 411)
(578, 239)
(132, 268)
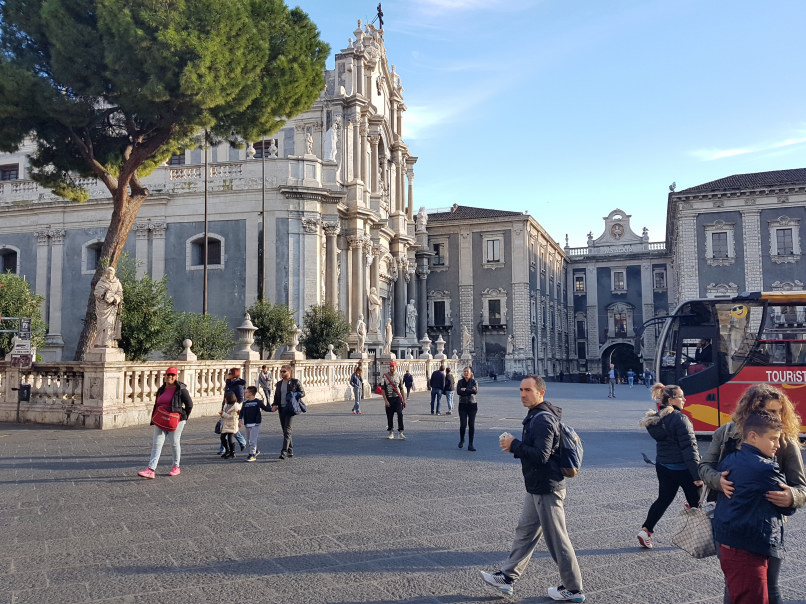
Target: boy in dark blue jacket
(749, 528)
(250, 419)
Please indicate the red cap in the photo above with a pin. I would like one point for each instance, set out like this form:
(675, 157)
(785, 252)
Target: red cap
(172, 371)
(392, 363)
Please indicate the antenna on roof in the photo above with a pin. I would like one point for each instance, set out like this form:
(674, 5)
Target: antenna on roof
(379, 18)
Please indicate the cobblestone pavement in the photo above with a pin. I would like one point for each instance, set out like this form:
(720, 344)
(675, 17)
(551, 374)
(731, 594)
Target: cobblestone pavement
(353, 517)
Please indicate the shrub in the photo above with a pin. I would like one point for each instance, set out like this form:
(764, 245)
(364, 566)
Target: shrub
(323, 325)
(212, 337)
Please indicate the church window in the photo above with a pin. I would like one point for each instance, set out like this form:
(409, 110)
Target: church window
(439, 248)
(439, 312)
(660, 279)
(10, 172)
(493, 250)
(620, 322)
(720, 249)
(195, 252)
(9, 259)
(91, 256)
(439, 256)
(177, 159)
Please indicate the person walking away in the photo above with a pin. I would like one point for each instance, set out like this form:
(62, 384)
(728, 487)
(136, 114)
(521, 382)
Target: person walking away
(437, 383)
(543, 513)
(229, 426)
(408, 382)
(647, 378)
(287, 385)
(264, 380)
(173, 397)
(467, 388)
(448, 390)
(677, 458)
(251, 418)
(357, 384)
(611, 379)
(750, 529)
(236, 385)
(726, 439)
(393, 400)
(630, 377)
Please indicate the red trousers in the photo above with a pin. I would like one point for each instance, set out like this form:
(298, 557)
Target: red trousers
(746, 575)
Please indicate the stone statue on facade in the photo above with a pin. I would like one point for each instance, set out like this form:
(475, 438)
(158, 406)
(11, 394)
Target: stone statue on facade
(465, 339)
(421, 222)
(331, 142)
(309, 143)
(361, 332)
(387, 343)
(511, 344)
(108, 299)
(411, 318)
(374, 310)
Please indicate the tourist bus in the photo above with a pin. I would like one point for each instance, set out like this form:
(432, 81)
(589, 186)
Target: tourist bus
(715, 349)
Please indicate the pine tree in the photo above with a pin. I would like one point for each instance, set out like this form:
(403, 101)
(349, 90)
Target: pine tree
(111, 88)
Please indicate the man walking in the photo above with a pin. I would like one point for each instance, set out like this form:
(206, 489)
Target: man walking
(543, 512)
(287, 385)
(437, 384)
(611, 379)
(264, 383)
(392, 387)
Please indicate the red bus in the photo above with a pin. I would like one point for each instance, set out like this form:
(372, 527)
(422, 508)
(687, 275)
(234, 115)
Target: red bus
(714, 349)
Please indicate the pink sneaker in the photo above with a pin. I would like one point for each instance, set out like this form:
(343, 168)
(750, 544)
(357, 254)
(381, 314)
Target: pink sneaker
(147, 473)
(175, 471)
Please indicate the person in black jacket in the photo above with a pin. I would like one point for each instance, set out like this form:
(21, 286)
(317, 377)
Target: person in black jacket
(250, 419)
(235, 384)
(543, 512)
(437, 383)
(450, 385)
(282, 389)
(467, 388)
(173, 396)
(677, 460)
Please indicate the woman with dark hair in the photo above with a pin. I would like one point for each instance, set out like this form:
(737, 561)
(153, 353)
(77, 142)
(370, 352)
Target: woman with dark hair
(467, 389)
(676, 459)
(726, 439)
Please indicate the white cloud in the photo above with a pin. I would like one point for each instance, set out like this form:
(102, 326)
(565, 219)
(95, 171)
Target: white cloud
(712, 154)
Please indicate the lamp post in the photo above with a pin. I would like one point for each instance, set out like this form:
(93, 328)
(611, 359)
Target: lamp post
(206, 239)
(263, 216)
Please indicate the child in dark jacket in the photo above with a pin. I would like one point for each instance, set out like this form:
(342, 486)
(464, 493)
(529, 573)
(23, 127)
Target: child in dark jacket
(747, 526)
(250, 419)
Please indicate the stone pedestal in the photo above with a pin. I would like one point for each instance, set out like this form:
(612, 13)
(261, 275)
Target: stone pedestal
(104, 355)
(292, 355)
(359, 355)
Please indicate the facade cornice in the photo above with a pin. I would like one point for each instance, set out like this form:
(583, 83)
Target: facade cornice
(309, 194)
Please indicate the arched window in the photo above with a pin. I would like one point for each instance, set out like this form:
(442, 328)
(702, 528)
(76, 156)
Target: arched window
(215, 252)
(9, 259)
(91, 256)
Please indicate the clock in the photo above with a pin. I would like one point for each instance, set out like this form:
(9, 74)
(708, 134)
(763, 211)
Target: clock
(617, 231)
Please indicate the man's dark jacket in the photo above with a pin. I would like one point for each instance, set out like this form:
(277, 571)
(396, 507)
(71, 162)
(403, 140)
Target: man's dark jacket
(539, 450)
(294, 385)
(437, 380)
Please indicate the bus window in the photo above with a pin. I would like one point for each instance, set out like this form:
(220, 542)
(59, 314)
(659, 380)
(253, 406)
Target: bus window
(739, 325)
(783, 338)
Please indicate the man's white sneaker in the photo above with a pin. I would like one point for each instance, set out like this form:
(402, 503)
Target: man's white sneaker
(401, 436)
(564, 595)
(645, 539)
(499, 582)
(391, 435)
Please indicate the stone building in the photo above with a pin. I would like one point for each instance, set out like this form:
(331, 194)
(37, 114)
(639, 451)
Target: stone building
(616, 283)
(327, 202)
(503, 278)
(736, 234)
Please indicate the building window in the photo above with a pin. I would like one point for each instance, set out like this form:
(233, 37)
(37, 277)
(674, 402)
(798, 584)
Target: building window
(579, 283)
(494, 306)
(9, 259)
(10, 172)
(439, 312)
(581, 352)
(439, 308)
(177, 159)
(493, 246)
(439, 255)
(660, 279)
(618, 284)
(493, 250)
(195, 252)
(620, 323)
(91, 256)
(581, 329)
(439, 247)
(784, 239)
(268, 146)
(494, 312)
(720, 249)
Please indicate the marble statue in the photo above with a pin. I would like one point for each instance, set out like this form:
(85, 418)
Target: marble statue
(309, 143)
(272, 149)
(387, 343)
(465, 339)
(421, 222)
(294, 338)
(331, 142)
(108, 298)
(510, 344)
(374, 311)
(361, 331)
(411, 318)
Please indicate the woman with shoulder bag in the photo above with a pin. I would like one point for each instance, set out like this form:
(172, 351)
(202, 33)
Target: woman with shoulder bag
(467, 388)
(677, 456)
(172, 398)
(726, 439)
(450, 383)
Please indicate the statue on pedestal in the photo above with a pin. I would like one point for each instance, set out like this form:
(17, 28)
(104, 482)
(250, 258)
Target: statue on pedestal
(510, 344)
(387, 343)
(108, 298)
(411, 318)
(361, 331)
(465, 340)
(309, 143)
(374, 311)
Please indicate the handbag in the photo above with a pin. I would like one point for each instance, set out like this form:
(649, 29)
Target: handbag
(217, 428)
(695, 535)
(165, 420)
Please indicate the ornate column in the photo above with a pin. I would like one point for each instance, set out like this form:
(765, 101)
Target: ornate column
(356, 243)
(422, 297)
(332, 231)
(357, 145)
(141, 230)
(410, 175)
(158, 250)
(374, 139)
(363, 150)
(400, 109)
(54, 338)
(399, 320)
(374, 272)
(42, 251)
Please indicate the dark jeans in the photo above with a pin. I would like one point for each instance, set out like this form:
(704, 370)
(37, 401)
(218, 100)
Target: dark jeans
(467, 418)
(228, 442)
(668, 483)
(286, 419)
(395, 406)
(436, 394)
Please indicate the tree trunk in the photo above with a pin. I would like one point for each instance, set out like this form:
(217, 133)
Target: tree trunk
(124, 214)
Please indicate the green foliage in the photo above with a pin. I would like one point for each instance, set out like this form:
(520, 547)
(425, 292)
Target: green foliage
(147, 315)
(323, 325)
(107, 87)
(274, 322)
(17, 300)
(212, 338)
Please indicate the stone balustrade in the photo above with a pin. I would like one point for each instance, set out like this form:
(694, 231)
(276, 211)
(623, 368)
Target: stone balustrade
(115, 395)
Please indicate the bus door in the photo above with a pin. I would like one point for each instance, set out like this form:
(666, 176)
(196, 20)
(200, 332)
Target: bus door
(698, 374)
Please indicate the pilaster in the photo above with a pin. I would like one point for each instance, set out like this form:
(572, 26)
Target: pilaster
(751, 234)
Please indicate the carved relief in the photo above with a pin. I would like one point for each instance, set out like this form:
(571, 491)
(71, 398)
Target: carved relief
(783, 198)
(311, 225)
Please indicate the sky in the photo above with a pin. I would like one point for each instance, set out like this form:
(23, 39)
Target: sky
(569, 110)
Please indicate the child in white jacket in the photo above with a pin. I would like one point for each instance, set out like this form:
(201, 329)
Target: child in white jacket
(229, 425)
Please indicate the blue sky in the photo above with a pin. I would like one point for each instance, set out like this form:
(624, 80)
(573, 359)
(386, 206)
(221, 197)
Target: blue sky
(571, 109)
